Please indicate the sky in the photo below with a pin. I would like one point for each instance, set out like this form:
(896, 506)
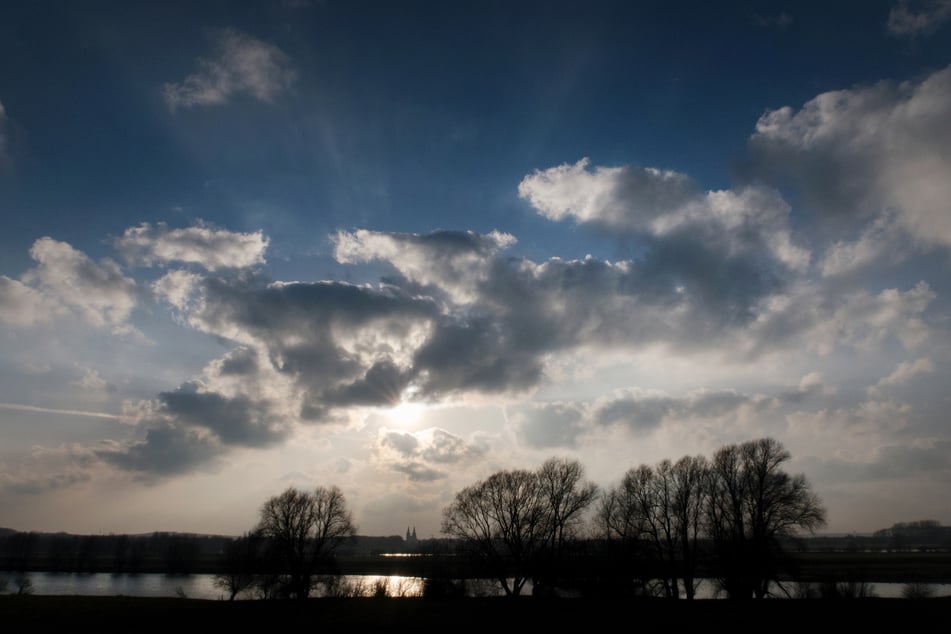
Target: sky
(398, 246)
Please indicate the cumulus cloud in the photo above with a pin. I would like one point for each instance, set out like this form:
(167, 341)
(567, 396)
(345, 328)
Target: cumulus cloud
(166, 450)
(911, 18)
(177, 287)
(819, 320)
(203, 244)
(905, 372)
(882, 241)
(424, 456)
(455, 261)
(240, 65)
(867, 151)
(663, 206)
(66, 280)
(22, 305)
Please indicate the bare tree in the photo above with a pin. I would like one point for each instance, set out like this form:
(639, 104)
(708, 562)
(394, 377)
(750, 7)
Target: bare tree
(518, 522)
(567, 495)
(503, 520)
(239, 565)
(657, 513)
(753, 505)
(304, 528)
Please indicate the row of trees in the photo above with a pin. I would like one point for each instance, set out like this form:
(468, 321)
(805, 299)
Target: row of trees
(734, 509)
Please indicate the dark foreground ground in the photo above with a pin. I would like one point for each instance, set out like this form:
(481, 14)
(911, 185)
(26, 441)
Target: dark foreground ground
(491, 615)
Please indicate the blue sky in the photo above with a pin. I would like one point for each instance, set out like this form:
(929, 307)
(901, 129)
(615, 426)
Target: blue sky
(395, 246)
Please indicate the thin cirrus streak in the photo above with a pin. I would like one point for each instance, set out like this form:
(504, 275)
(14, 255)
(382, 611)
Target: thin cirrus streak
(50, 410)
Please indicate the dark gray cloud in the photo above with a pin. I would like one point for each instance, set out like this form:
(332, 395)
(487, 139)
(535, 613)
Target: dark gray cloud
(167, 450)
(343, 344)
(240, 362)
(234, 420)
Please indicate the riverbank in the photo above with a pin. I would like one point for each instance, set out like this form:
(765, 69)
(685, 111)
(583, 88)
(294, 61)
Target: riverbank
(107, 614)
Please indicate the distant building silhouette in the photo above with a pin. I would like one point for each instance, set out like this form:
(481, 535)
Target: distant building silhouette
(411, 540)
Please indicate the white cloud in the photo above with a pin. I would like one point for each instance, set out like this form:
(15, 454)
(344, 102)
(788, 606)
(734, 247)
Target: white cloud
(241, 65)
(882, 241)
(905, 372)
(66, 279)
(665, 206)
(204, 245)
(177, 287)
(867, 151)
(455, 261)
(813, 319)
(911, 18)
(22, 305)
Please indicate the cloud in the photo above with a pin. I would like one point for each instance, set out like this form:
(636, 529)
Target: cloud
(622, 198)
(66, 280)
(341, 344)
(177, 287)
(21, 305)
(203, 244)
(905, 372)
(550, 425)
(666, 210)
(240, 65)
(454, 261)
(930, 459)
(418, 472)
(912, 18)
(868, 151)
(34, 484)
(642, 411)
(820, 320)
(237, 420)
(424, 456)
(882, 241)
(166, 450)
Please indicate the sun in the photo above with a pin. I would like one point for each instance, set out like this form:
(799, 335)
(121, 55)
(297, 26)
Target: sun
(406, 413)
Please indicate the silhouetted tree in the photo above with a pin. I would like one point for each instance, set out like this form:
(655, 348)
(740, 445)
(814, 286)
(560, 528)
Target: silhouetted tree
(658, 512)
(238, 565)
(304, 528)
(514, 519)
(503, 520)
(753, 504)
